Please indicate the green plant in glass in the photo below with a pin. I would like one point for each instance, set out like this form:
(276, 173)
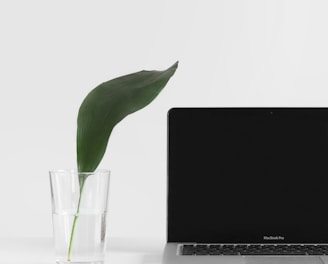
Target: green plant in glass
(102, 109)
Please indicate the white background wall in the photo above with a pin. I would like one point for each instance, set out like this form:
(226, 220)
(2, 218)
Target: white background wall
(52, 53)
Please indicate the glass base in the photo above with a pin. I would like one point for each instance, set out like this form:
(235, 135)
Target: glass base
(80, 262)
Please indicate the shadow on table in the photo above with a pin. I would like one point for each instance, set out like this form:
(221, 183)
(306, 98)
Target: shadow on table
(151, 250)
(138, 245)
(152, 259)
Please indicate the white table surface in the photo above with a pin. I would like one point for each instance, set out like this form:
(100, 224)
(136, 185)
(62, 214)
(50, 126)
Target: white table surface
(119, 250)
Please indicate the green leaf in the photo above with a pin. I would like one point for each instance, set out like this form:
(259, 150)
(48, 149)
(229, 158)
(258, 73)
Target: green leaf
(107, 105)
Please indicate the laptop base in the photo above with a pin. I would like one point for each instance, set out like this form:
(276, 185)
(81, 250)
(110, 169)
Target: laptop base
(171, 256)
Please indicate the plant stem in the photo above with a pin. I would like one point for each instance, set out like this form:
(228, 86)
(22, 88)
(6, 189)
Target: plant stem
(76, 217)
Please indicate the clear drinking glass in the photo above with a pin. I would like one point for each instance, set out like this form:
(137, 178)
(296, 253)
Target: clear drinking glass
(79, 211)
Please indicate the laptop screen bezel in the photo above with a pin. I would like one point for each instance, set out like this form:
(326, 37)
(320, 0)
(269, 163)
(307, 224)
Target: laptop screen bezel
(171, 236)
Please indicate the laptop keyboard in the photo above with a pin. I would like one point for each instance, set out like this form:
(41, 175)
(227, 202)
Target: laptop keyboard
(255, 249)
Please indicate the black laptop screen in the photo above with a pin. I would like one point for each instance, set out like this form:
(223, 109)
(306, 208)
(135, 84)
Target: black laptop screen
(253, 175)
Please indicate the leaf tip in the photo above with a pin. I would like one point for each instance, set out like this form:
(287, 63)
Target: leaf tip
(175, 65)
(171, 70)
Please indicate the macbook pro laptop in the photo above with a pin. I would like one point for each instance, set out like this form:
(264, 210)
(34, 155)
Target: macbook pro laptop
(247, 185)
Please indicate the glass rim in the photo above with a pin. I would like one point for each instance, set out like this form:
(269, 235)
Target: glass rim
(75, 171)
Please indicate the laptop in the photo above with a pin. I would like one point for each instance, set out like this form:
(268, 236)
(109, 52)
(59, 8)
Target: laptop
(247, 185)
